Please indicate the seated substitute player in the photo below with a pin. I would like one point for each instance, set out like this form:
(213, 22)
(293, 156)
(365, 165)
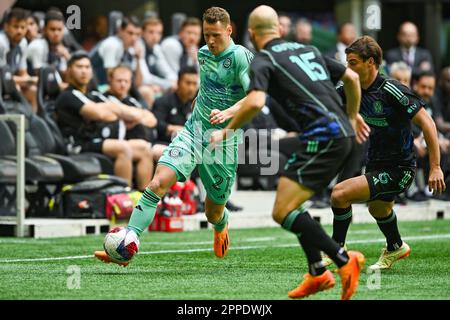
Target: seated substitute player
(388, 107)
(50, 50)
(224, 80)
(92, 123)
(301, 80)
(120, 91)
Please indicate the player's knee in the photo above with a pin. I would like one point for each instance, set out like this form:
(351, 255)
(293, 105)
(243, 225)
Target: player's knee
(379, 211)
(158, 187)
(338, 196)
(124, 150)
(278, 215)
(148, 147)
(145, 149)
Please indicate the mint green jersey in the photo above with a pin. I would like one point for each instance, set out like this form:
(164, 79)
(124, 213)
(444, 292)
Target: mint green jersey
(224, 80)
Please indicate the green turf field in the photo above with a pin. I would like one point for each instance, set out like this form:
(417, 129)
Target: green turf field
(261, 264)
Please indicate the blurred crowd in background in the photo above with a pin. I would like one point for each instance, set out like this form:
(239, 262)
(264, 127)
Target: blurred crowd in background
(132, 64)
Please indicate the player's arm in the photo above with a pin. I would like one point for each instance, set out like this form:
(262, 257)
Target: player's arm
(250, 107)
(217, 116)
(97, 112)
(436, 177)
(22, 78)
(148, 119)
(138, 54)
(352, 89)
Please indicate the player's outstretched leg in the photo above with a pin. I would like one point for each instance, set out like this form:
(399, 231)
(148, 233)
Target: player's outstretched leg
(144, 212)
(289, 213)
(350, 272)
(350, 263)
(318, 278)
(313, 284)
(217, 215)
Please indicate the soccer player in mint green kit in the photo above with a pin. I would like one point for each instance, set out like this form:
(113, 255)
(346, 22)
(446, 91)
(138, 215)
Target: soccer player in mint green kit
(224, 80)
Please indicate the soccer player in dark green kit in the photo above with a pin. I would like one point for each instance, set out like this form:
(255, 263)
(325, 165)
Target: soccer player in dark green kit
(388, 107)
(303, 82)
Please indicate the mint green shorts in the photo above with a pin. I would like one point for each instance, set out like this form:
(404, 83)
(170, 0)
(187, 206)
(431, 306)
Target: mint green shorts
(216, 166)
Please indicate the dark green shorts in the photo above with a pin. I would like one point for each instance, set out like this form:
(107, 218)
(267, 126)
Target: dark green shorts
(314, 164)
(385, 184)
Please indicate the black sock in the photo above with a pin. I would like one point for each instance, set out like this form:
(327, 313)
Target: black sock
(389, 228)
(316, 267)
(341, 222)
(300, 223)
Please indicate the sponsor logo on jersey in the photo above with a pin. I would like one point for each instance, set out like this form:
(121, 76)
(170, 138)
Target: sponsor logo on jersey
(378, 107)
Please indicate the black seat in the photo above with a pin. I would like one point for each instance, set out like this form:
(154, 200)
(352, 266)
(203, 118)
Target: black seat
(43, 177)
(8, 170)
(39, 141)
(77, 166)
(70, 42)
(37, 168)
(177, 19)
(114, 21)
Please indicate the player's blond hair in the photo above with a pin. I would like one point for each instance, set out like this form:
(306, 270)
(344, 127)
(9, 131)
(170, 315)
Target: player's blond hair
(217, 14)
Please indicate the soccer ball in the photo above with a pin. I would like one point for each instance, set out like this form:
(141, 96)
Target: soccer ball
(121, 244)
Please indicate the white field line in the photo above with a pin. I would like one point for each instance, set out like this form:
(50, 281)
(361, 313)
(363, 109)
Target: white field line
(430, 237)
(14, 241)
(261, 239)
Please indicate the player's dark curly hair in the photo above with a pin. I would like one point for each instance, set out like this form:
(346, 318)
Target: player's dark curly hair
(366, 47)
(215, 14)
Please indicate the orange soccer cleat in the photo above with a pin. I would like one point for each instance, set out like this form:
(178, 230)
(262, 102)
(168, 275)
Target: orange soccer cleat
(350, 274)
(221, 242)
(103, 256)
(311, 285)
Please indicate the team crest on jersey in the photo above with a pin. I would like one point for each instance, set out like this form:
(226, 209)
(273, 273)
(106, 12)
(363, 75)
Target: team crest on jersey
(404, 101)
(227, 63)
(175, 153)
(378, 107)
(202, 62)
